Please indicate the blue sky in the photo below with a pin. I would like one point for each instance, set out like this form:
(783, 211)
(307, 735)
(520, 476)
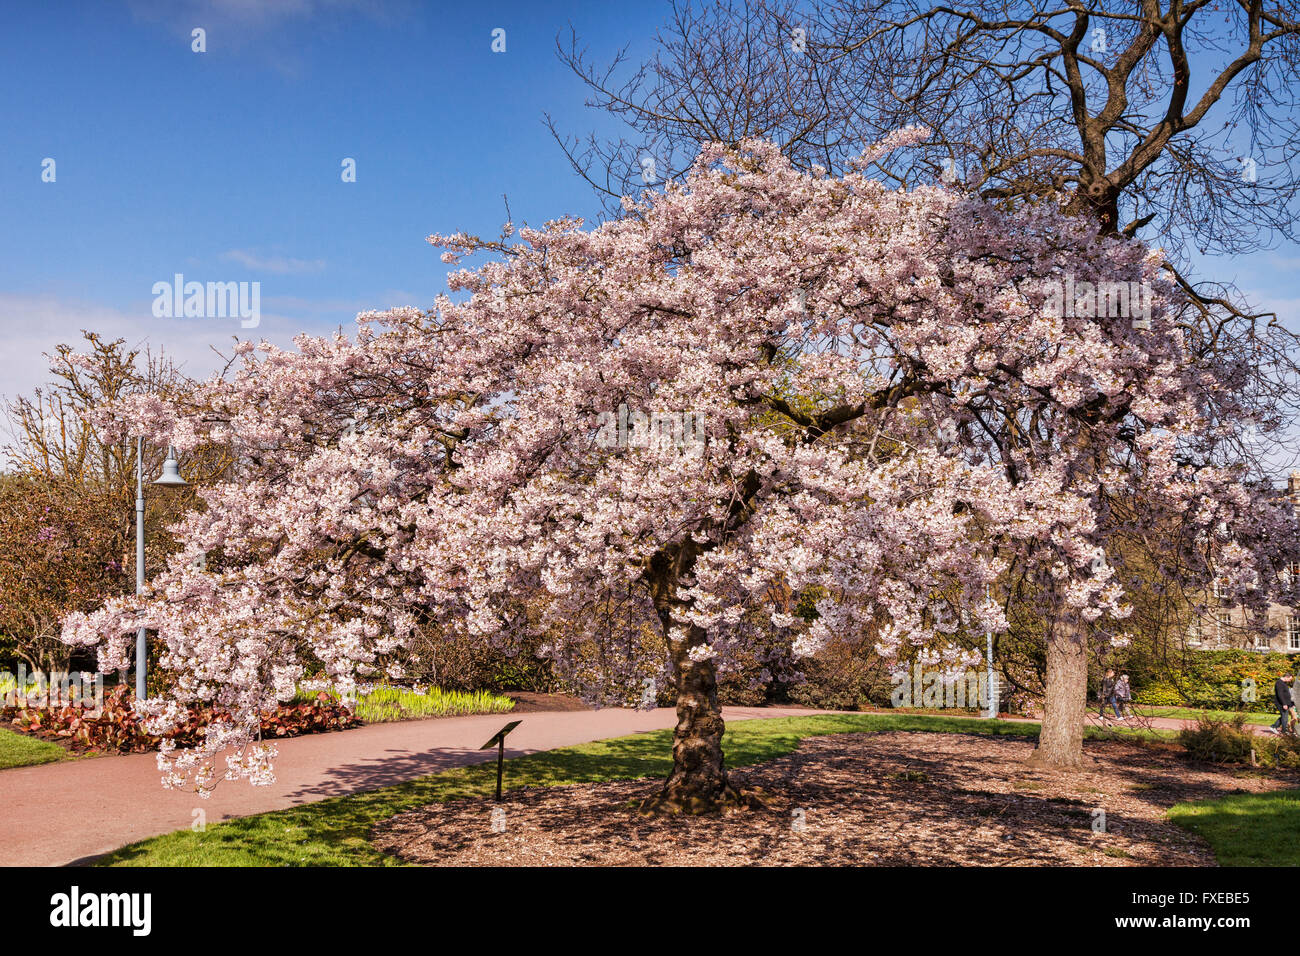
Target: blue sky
(225, 165)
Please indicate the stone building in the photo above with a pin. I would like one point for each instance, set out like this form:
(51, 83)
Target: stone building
(1224, 626)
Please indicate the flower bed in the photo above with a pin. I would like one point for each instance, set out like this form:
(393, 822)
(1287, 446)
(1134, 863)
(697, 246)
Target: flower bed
(116, 728)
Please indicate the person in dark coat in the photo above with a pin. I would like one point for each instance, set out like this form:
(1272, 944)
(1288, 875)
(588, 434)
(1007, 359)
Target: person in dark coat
(1284, 702)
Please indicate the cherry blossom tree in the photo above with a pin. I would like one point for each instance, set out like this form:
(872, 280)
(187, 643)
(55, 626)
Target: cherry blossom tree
(730, 394)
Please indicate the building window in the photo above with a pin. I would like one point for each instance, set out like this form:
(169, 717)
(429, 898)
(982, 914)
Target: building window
(1293, 632)
(1222, 624)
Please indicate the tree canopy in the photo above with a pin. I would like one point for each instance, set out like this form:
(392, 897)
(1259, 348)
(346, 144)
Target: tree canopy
(893, 394)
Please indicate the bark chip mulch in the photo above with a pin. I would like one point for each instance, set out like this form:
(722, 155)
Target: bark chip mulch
(884, 799)
(527, 702)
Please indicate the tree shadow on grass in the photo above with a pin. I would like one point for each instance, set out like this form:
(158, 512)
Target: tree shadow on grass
(617, 759)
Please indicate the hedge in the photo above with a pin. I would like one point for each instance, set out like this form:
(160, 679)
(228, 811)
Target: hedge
(1213, 679)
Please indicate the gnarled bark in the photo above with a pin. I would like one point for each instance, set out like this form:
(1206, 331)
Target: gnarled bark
(1060, 739)
(698, 782)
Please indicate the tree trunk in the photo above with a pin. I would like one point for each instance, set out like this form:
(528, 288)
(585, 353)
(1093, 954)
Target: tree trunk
(1060, 739)
(1100, 200)
(698, 782)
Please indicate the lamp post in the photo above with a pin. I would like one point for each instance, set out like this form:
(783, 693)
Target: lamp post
(170, 477)
(992, 677)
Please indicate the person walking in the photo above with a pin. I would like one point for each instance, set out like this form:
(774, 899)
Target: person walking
(1285, 704)
(1123, 694)
(1108, 694)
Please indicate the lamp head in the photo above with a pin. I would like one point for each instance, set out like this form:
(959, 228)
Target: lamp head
(171, 474)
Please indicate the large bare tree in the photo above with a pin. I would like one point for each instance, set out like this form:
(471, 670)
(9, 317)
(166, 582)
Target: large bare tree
(1169, 121)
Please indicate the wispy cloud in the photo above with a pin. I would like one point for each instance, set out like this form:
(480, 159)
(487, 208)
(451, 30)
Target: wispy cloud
(249, 14)
(256, 26)
(34, 324)
(279, 265)
(1289, 263)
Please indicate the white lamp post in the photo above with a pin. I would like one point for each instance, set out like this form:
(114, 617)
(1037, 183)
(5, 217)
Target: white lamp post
(170, 477)
(992, 677)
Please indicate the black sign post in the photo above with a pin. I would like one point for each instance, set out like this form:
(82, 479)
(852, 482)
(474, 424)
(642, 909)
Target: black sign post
(499, 738)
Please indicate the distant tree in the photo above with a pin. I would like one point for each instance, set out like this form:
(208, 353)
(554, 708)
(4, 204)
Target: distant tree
(67, 526)
(59, 552)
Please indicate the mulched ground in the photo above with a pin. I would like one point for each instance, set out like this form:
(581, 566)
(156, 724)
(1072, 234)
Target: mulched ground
(884, 799)
(527, 702)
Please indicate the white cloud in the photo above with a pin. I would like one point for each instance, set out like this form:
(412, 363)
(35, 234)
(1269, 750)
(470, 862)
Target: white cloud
(1289, 263)
(32, 325)
(279, 265)
(246, 13)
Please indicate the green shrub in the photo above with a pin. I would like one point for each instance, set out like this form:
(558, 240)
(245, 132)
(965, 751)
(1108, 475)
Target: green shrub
(1218, 741)
(1158, 695)
(739, 690)
(843, 676)
(1213, 680)
(1227, 741)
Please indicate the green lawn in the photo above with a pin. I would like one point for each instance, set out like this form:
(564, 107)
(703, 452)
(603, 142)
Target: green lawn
(1113, 733)
(1192, 713)
(334, 832)
(17, 750)
(1249, 829)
